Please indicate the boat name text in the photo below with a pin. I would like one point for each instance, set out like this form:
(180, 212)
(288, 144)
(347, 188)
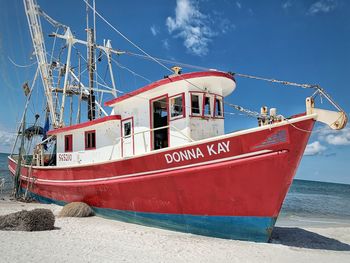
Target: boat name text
(65, 157)
(196, 153)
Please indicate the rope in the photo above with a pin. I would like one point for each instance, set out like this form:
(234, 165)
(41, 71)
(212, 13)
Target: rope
(131, 71)
(283, 82)
(318, 90)
(49, 19)
(136, 46)
(300, 129)
(21, 66)
(167, 61)
(246, 111)
(127, 39)
(159, 61)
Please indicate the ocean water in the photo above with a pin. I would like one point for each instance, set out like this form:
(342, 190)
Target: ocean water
(317, 200)
(6, 189)
(304, 199)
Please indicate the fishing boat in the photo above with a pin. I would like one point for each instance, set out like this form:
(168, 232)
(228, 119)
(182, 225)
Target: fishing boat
(161, 158)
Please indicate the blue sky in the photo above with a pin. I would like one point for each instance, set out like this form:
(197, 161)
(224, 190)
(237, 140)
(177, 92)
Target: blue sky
(306, 41)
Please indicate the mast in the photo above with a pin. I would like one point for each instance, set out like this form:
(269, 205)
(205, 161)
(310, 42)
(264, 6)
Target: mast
(80, 89)
(70, 42)
(108, 49)
(91, 67)
(32, 13)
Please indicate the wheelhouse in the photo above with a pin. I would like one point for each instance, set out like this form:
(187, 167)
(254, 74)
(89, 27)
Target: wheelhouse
(170, 112)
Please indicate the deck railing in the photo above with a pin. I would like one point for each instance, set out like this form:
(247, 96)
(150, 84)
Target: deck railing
(38, 157)
(144, 137)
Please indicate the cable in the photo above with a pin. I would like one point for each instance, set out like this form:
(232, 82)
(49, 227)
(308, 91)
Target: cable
(21, 66)
(123, 36)
(233, 73)
(151, 57)
(159, 61)
(132, 72)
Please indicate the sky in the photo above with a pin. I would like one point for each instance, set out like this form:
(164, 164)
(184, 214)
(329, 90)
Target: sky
(304, 41)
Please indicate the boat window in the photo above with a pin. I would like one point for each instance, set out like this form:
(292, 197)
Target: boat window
(68, 143)
(127, 140)
(127, 129)
(160, 122)
(218, 107)
(176, 106)
(195, 106)
(207, 106)
(90, 140)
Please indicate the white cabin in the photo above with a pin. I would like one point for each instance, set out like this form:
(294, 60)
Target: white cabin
(170, 112)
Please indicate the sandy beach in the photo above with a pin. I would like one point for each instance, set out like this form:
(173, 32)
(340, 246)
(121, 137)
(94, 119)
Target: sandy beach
(97, 239)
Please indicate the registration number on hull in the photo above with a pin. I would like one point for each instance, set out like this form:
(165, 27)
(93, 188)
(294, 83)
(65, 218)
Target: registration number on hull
(65, 157)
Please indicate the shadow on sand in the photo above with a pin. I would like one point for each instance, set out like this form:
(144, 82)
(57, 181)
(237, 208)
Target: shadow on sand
(297, 237)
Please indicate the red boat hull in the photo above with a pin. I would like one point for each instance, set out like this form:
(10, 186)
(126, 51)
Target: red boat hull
(231, 187)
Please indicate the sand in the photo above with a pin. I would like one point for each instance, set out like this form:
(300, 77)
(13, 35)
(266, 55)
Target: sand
(96, 239)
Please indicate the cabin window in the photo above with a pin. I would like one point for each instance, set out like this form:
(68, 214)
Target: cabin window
(127, 129)
(218, 107)
(68, 143)
(207, 106)
(90, 140)
(127, 140)
(195, 105)
(176, 107)
(160, 122)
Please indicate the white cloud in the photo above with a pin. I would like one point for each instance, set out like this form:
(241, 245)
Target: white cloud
(335, 137)
(154, 30)
(250, 11)
(166, 44)
(225, 25)
(192, 26)
(341, 138)
(287, 4)
(314, 148)
(238, 4)
(6, 140)
(322, 6)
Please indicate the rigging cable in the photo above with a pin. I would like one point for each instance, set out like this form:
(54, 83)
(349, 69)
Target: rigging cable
(21, 66)
(139, 48)
(239, 108)
(123, 36)
(131, 71)
(136, 46)
(318, 89)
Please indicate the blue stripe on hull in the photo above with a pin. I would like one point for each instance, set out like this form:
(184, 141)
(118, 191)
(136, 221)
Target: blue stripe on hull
(249, 228)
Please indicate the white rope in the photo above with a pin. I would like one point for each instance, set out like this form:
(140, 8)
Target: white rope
(131, 71)
(283, 82)
(139, 48)
(159, 61)
(233, 73)
(53, 46)
(21, 66)
(123, 36)
(173, 62)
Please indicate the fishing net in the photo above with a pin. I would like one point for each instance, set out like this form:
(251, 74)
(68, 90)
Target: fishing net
(36, 220)
(76, 209)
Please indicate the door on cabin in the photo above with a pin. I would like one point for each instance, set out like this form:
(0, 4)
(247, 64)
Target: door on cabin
(159, 119)
(127, 137)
